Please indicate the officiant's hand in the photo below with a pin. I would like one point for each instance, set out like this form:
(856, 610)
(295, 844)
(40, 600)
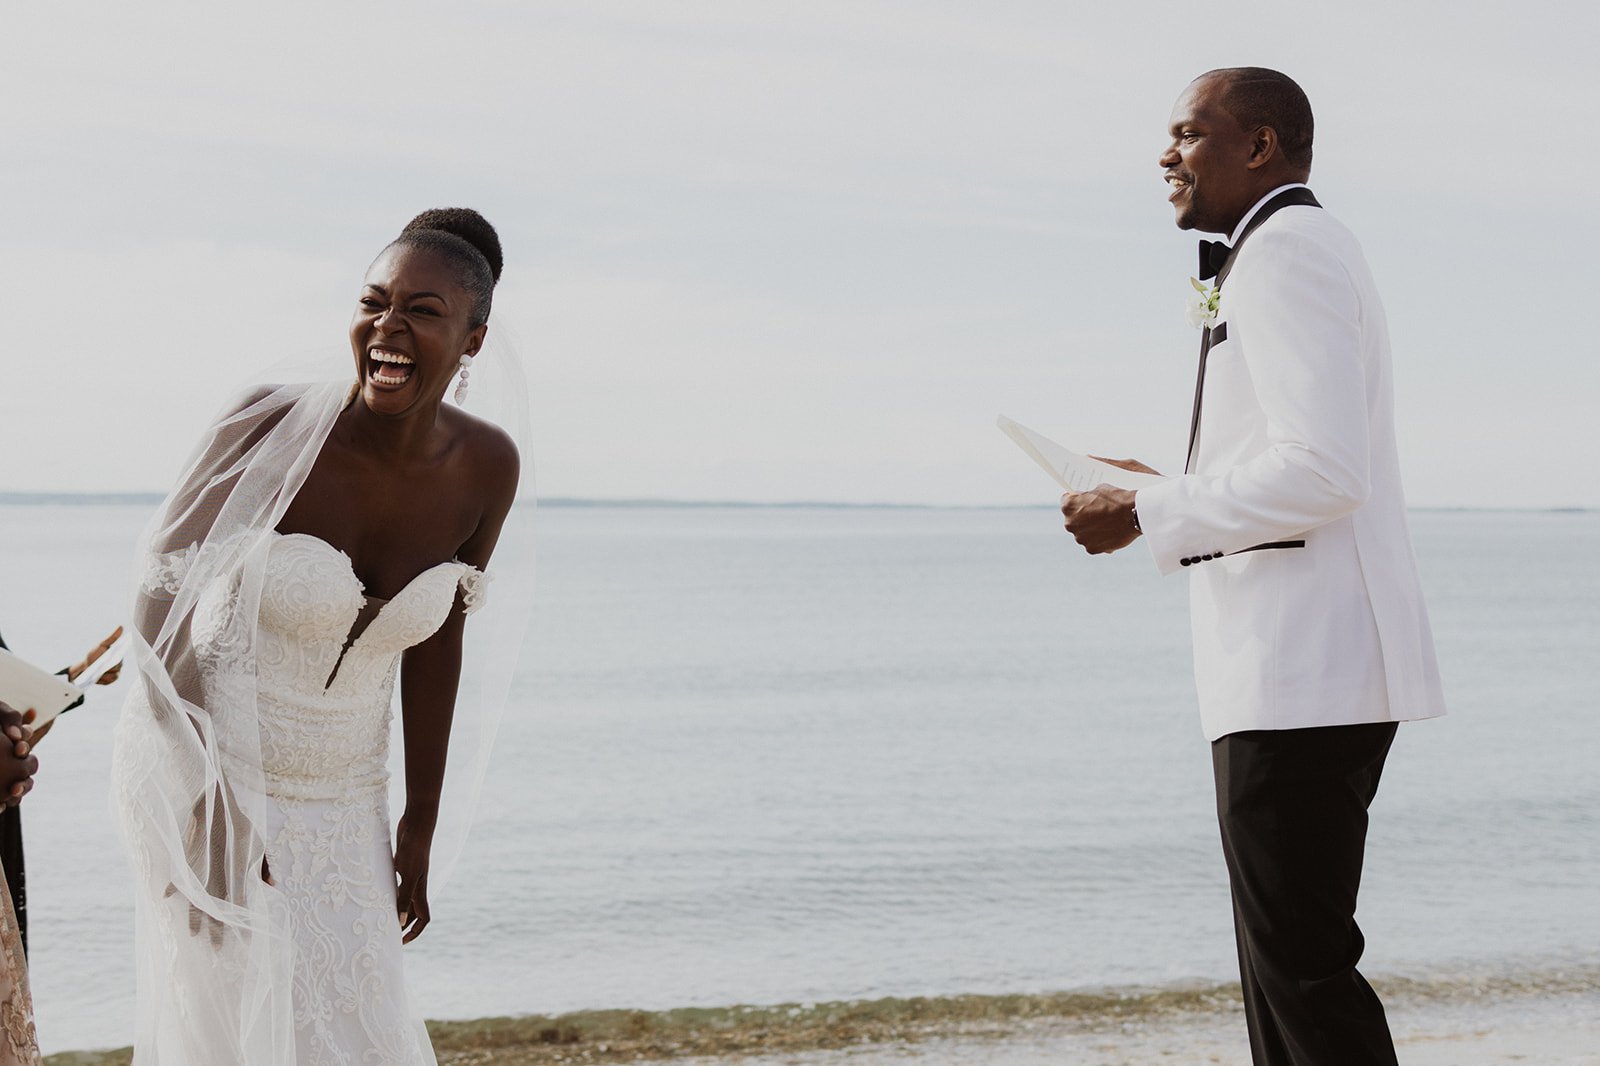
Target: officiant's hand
(1101, 519)
(17, 765)
(413, 841)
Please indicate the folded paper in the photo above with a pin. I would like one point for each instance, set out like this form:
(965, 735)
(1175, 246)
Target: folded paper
(1073, 472)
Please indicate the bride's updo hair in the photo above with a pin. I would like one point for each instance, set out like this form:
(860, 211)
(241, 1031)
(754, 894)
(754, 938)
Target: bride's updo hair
(466, 239)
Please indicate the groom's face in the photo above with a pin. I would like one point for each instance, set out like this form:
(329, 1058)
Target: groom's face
(1208, 163)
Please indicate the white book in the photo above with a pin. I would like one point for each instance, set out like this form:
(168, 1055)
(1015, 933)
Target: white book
(1073, 472)
(27, 688)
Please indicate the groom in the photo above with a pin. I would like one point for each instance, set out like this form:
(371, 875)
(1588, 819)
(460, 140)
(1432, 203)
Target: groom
(1311, 640)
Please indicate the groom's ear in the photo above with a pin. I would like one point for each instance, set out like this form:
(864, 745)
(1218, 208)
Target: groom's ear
(1264, 147)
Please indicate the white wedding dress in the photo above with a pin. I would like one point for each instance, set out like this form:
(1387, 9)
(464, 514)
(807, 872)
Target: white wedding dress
(323, 694)
(324, 714)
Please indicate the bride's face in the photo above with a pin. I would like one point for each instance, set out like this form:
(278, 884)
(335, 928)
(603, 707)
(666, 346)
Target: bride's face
(412, 325)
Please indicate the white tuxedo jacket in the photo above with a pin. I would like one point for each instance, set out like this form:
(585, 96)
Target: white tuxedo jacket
(1296, 442)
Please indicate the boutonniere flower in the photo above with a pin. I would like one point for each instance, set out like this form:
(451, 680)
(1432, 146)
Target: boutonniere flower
(1203, 307)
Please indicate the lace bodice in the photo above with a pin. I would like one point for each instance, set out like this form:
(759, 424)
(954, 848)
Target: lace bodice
(323, 700)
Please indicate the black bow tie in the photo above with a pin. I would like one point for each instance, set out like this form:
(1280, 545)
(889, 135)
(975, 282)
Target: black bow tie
(1213, 254)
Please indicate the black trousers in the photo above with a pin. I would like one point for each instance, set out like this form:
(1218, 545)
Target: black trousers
(1292, 805)
(16, 872)
(11, 859)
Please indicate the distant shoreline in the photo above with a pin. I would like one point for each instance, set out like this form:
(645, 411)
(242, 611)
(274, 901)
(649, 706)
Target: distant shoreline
(150, 499)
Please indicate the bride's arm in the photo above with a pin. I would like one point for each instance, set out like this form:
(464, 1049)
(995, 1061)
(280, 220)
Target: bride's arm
(428, 679)
(429, 675)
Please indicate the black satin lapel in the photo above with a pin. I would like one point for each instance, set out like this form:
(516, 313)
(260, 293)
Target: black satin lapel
(1199, 392)
(1300, 197)
(1287, 198)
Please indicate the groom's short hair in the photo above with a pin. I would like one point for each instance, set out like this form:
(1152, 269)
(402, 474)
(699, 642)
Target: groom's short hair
(1257, 96)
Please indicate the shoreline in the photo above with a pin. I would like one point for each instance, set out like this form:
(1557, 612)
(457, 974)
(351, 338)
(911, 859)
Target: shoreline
(1555, 1014)
(152, 498)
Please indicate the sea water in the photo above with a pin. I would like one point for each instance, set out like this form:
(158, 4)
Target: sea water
(758, 755)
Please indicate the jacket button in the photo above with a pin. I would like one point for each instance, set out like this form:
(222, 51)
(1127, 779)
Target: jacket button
(1185, 561)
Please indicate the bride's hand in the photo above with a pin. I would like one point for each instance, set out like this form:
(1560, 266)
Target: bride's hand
(412, 846)
(213, 853)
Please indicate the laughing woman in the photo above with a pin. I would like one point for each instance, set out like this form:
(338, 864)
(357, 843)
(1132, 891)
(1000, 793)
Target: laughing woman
(324, 540)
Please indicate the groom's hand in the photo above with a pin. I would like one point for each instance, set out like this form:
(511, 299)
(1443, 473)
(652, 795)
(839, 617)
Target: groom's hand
(1128, 464)
(1101, 519)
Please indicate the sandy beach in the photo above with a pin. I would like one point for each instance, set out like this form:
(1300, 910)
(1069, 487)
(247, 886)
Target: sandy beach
(1553, 1020)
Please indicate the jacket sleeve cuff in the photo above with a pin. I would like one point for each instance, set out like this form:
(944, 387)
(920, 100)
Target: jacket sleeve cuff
(1159, 525)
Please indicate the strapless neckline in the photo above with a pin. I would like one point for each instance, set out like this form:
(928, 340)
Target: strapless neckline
(351, 566)
(368, 620)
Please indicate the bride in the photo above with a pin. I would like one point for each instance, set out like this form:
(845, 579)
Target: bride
(325, 539)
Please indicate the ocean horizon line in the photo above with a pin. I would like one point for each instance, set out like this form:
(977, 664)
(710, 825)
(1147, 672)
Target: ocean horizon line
(129, 499)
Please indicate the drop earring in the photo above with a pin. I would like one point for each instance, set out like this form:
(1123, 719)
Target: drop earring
(461, 386)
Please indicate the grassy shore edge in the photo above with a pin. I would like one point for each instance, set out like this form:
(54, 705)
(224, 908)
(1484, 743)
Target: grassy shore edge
(608, 1036)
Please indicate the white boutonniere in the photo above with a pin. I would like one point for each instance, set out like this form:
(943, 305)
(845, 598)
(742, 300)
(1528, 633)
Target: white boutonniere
(1203, 307)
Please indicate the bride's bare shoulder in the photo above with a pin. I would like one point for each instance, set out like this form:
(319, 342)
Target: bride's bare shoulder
(490, 452)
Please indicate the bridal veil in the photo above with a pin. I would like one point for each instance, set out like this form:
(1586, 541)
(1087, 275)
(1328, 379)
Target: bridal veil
(214, 967)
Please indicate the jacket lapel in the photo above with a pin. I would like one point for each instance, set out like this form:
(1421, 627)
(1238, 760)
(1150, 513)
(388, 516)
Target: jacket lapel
(1298, 197)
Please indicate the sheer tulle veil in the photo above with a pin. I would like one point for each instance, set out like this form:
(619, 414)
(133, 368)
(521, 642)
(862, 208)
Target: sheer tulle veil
(213, 964)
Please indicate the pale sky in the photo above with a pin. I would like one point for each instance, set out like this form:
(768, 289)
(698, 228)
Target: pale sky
(783, 251)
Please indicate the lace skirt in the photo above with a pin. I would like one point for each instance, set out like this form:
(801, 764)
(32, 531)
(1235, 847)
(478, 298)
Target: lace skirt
(19, 1045)
(333, 862)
